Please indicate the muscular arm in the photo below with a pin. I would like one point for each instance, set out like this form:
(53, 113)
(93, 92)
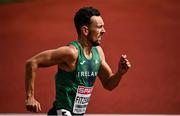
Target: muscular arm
(65, 56)
(108, 79)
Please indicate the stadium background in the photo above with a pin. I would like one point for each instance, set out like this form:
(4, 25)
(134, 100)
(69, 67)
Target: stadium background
(146, 30)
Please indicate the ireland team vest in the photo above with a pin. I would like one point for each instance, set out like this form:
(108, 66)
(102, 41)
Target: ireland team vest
(73, 89)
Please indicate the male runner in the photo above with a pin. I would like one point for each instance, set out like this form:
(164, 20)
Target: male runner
(78, 65)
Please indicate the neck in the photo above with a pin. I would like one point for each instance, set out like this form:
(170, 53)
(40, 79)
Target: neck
(86, 45)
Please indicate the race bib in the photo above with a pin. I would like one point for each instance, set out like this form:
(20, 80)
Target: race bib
(81, 100)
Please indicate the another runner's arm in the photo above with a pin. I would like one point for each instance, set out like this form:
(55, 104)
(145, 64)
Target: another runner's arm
(108, 79)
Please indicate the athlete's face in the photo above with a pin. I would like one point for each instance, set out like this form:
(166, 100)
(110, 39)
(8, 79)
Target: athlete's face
(96, 30)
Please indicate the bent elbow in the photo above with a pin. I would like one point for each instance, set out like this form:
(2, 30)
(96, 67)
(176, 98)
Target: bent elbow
(109, 88)
(28, 62)
(31, 64)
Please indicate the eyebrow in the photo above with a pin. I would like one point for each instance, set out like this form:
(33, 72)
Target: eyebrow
(100, 25)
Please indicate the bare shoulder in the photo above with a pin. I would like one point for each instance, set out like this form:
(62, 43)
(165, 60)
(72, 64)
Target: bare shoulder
(69, 51)
(99, 48)
(73, 51)
(101, 53)
(69, 58)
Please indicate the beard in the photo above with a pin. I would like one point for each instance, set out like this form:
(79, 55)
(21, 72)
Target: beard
(93, 42)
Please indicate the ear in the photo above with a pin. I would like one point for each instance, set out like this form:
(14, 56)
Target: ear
(84, 30)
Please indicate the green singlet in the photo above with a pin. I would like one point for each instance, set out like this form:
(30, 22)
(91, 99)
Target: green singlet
(73, 89)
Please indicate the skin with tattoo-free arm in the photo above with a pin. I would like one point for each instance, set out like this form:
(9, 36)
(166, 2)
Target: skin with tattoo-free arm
(108, 79)
(65, 57)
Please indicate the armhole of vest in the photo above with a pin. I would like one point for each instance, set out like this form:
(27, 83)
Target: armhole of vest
(75, 44)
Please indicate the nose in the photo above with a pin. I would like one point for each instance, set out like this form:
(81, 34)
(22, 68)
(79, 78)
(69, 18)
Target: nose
(103, 30)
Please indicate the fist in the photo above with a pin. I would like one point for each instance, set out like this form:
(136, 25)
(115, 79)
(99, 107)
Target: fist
(124, 65)
(32, 105)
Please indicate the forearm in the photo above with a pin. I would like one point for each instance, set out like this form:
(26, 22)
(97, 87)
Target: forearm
(30, 74)
(31, 103)
(113, 81)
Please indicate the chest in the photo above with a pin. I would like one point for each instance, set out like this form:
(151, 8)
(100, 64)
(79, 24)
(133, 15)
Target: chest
(87, 65)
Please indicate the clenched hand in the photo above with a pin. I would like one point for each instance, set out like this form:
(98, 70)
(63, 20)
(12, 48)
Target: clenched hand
(124, 65)
(32, 105)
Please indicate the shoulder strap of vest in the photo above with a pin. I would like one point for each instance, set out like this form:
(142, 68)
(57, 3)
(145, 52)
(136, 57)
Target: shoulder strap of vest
(76, 45)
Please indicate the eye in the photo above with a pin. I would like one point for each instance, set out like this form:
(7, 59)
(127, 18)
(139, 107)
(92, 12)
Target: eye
(100, 26)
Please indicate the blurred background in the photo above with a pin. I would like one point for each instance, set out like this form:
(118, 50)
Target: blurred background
(148, 31)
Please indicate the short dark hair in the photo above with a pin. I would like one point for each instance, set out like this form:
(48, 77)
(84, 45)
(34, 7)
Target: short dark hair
(82, 17)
